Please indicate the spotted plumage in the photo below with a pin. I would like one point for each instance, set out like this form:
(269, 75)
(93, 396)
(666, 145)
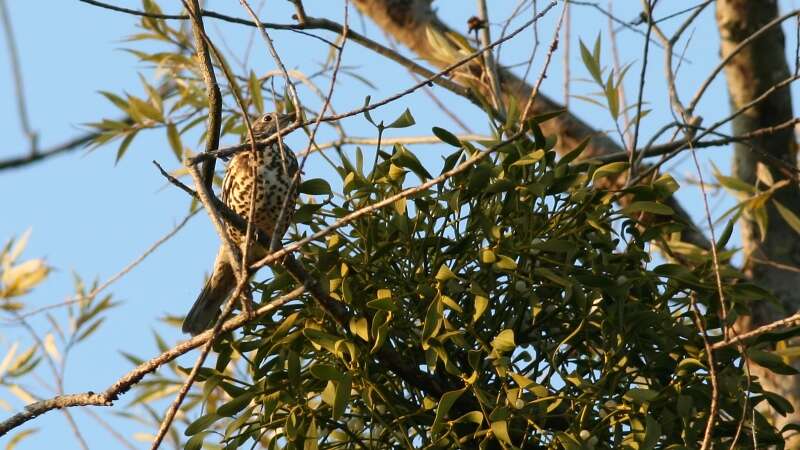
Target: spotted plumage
(270, 173)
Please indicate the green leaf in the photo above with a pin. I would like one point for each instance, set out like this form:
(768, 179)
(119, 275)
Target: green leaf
(142, 109)
(384, 304)
(544, 117)
(505, 263)
(196, 442)
(609, 169)
(678, 272)
(433, 321)
(569, 157)
(591, 62)
(771, 361)
(652, 434)
(201, 424)
(734, 184)
(638, 395)
(232, 407)
(123, 147)
(342, 398)
(17, 438)
(726, 234)
(315, 186)
(116, 100)
(444, 274)
(790, 217)
(360, 327)
(500, 430)
(405, 120)
(481, 303)
(175, 141)
(446, 136)
(530, 385)
(648, 207)
(475, 417)
(569, 442)
(405, 158)
(665, 185)
(780, 404)
(504, 342)
(366, 112)
(256, 97)
(531, 158)
(445, 403)
(326, 372)
(612, 96)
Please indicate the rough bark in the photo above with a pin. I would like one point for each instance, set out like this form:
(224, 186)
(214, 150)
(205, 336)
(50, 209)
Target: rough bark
(410, 22)
(754, 70)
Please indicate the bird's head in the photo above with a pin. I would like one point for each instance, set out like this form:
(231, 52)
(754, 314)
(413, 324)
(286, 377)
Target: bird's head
(268, 124)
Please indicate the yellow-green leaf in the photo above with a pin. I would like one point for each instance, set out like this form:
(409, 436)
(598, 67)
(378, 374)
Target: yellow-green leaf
(790, 217)
(608, 170)
(504, 342)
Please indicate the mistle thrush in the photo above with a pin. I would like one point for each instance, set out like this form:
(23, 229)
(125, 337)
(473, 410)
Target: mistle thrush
(275, 167)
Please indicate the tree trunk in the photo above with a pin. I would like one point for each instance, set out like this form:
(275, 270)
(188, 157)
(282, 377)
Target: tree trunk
(750, 73)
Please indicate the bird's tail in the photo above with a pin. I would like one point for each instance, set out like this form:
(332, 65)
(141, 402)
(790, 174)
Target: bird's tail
(206, 308)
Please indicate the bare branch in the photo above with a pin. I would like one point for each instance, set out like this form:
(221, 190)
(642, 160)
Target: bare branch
(22, 110)
(70, 145)
(114, 278)
(123, 384)
(214, 121)
(790, 321)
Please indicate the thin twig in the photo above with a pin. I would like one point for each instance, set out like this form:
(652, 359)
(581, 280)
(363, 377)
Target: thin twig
(489, 63)
(296, 178)
(649, 4)
(111, 430)
(566, 47)
(712, 373)
(19, 87)
(658, 150)
(275, 56)
(790, 321)
(169, 416)
(214, 121)
(41, 155)
(735, 51)
(227, 151)
(114, 278)
(546, 65)
(405, 140)
(123, 384)
(57, 378)
(715, 125)
(300, 11)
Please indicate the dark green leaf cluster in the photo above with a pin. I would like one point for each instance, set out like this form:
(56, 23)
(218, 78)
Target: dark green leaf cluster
(521, 288)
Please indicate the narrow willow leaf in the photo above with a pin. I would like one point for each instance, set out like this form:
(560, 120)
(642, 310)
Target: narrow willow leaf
(790, 217)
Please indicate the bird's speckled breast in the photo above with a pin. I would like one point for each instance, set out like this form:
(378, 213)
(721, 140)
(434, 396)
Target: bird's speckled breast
(274, 170)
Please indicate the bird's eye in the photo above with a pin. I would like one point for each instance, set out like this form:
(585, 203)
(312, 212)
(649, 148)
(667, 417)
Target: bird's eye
(267, 118)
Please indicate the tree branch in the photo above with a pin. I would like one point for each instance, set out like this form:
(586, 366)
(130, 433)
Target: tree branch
(123, 384)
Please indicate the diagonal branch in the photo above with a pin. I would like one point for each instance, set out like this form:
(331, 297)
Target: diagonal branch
(212, 89)
(123, 384)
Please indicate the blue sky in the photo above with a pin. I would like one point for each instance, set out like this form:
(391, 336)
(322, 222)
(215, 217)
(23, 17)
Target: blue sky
(92, 217)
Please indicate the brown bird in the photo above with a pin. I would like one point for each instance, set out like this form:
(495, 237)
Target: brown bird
(275, 167)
